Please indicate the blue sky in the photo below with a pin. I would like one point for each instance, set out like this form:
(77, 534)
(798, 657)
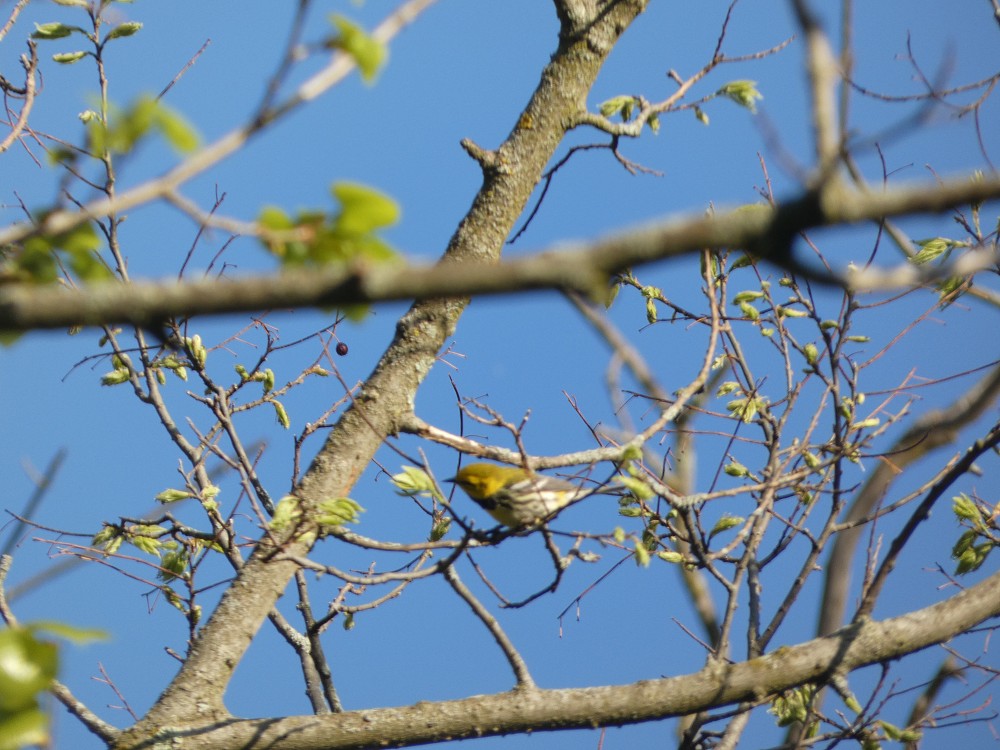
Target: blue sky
(463, 70)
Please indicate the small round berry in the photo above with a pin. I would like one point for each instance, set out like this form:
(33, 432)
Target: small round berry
(342, 349)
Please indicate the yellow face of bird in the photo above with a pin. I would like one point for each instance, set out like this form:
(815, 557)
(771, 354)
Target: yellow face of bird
(481, 480)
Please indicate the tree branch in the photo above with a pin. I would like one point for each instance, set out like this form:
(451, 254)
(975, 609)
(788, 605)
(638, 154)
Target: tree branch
(584, 267)
(340, 66)
(195, 695)
(533, 710)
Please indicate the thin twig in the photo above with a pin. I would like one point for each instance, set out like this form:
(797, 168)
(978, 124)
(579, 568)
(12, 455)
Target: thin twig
(517, 664)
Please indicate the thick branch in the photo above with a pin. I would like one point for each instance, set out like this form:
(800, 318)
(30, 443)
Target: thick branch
(540, 710)
(195, 695)
(583, 266)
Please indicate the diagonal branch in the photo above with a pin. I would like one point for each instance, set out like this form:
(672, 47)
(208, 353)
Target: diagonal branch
(195, 695)
(340, 66)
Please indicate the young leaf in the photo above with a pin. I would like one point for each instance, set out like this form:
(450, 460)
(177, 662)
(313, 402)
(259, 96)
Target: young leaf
(744, 93)
(369, 54)
(363, 209)
(68, 58)
(48, 31)
(126, 29)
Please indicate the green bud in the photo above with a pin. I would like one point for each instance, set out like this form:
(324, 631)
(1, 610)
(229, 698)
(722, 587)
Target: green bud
(726, 388)
(68, 58)
(642, 557)
(744, 93)
(736, 469)
(670, 556)
(747, 296)
(126, 29)
(725, 523)
(865, 423)
(115, 377)
(749, 311)
(440, 529)
(49, 31)
(281, 414)
(413, 481)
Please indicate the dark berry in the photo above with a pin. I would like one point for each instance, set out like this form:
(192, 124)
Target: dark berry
(342, 349)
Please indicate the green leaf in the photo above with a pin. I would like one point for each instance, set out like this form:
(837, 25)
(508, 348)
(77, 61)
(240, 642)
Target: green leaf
(637, 487)
(115, 377)
(931, 249)
(275, 219)
(68, 58)
(173, 565)
(126, 29)
(811, 353)
(744, 93)
(730, 386)
(363, 209)
(413, 481)
(369, 54)
(146, 544)
(71, 633)
(736, 469)
(23, 728)
(440, 529)
(642, 556)
(281, 414)
(619, 105)
(172, 496)
(947, 288)
(745, 409)
(9, 338)
(750, 295)
(267, 380)
(35, 262)
(287, 512)
(670, 556)
(750, 312)
(314, 238)
(177, 131)
(965, 507)
(127, 127)
(339, 511)
(27, 666)
(48, 31)
(725, 523)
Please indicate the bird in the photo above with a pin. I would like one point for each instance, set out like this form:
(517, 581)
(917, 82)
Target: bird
(517, 498)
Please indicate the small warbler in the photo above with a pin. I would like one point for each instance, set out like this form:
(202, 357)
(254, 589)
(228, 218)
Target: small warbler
(516, 498)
